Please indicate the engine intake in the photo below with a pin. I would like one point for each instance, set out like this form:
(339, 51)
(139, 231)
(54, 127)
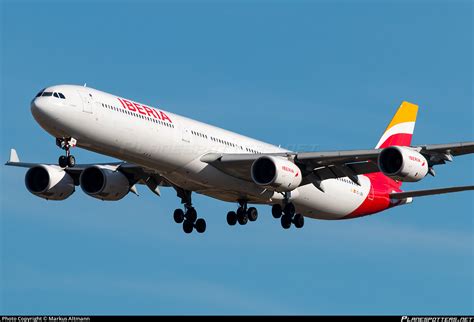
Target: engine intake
(403, 164)
(276, 173)
(104, 183)
(49, 182)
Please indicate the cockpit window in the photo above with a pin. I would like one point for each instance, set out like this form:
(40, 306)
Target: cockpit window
(58, 95)
(55, 94)
(39, 93)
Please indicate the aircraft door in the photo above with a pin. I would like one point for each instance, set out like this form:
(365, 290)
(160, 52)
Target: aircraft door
(87, 102)
(186, 136)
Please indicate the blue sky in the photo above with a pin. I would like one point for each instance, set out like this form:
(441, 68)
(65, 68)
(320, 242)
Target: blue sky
(326, 75)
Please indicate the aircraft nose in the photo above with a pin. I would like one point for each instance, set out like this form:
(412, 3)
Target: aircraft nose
(36, 106)
(41, 110)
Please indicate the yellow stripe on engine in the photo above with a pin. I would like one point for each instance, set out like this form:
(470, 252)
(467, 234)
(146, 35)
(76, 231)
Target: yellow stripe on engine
(406, 113)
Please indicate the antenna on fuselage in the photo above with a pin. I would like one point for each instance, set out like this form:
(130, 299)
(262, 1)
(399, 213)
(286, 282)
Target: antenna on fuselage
(85, 84)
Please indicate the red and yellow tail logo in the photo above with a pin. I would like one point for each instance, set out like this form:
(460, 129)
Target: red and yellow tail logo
(400, 130)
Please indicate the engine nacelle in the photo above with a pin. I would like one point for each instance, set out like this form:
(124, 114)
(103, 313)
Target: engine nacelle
(402, 164)
(276, 173)
(103, 183)
(49, 182)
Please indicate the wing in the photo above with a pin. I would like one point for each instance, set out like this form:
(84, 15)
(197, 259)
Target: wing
(428, 192)
(440, 153)
(134, 173)
(314, 165)
(318, 166)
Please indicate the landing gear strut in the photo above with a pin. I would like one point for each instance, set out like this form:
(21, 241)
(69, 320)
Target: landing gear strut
(188, 216)
(287, 213)
(243, 214)
(66, 144)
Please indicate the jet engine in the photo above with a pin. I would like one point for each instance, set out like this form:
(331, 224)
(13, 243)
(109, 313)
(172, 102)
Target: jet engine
(402, 164)
(104, 183)
(275, 173)
(49, 182)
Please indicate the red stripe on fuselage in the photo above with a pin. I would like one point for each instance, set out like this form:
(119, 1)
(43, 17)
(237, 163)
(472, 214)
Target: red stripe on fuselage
(378, 198)
(380, 185)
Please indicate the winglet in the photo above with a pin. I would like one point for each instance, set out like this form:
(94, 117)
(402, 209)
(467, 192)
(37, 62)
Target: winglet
(13, 156)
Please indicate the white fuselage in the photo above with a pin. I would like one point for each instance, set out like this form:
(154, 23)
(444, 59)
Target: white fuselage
(172, 145)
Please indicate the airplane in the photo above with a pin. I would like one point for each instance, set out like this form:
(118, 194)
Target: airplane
(162, 149)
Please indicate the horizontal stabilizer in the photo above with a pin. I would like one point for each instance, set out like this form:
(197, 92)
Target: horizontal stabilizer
(428, 192)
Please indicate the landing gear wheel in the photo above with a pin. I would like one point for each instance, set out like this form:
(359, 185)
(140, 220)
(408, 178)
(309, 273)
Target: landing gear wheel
(240, 211)
(178, 216)
(200, 225)
(242, 217)
(289, 209)
(286, 221)
(191, 214)
(298, 220)
(71, 161)
(231, 218)
(188, 226)
(252, 213)
(62, 161)
(66, 144)
(276, 211)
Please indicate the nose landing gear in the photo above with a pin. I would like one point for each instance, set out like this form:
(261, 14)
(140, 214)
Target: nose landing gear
(66, 144)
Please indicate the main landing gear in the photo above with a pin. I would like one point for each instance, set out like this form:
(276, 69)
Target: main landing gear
(188, 216)
(66, 144)
(189, 220)
(243, 214)
(288, 215)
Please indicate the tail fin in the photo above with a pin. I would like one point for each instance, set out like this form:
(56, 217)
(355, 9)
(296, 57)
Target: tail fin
(400, 130)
